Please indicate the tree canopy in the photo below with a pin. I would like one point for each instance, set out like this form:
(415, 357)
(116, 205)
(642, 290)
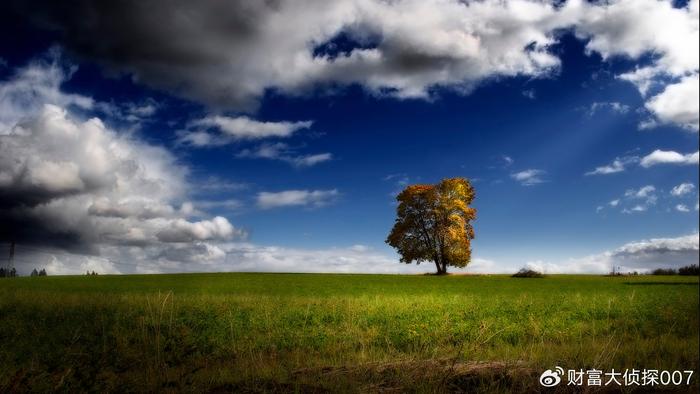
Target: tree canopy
(433, 223)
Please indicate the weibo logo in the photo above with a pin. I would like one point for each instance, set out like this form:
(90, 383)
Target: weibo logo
(551, 378)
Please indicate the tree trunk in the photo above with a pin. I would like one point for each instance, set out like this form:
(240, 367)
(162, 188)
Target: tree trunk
(441, 267)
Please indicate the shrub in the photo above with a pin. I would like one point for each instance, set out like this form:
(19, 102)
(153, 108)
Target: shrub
(528, 273)
(692, 269)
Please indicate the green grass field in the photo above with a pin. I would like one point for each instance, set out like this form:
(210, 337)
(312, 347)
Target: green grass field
(352, 333)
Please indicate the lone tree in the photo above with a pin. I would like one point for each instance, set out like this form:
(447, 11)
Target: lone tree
(433, 224)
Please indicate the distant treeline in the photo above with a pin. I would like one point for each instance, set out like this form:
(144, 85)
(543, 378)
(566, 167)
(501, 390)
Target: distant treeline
(12, 272)
(38, 273)
(8, 273)
(687, 270)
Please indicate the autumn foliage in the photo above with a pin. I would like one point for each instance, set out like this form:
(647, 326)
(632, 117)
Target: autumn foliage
(433, 223)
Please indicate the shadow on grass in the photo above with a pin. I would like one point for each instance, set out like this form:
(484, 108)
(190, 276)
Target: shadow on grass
(662, 283)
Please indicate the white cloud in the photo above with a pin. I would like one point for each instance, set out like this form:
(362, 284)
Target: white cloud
(311, 160)
(643, 192)
(629, 28)
(682, 208)
(72, 184)
(612, 106)
(636, 208)
(618, 165)
(34, 85)
(230, 204)
(237, 257)
(283, 152)
(68, 184)
(669, 157)
(307, 198)
(678, 103)
(646, 197)
(682, 189)
(656, 157)
(221, 130)
(634, 200)
(529, 177)
(530, 93)
(641, 256)
(181, 230)
(245, 128)
(229, 55)
(213, 183)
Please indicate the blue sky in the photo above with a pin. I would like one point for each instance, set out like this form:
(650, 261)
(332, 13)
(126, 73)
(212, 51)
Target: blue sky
(303, 165)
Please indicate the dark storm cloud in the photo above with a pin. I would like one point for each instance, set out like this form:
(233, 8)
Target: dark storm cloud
(22, 227)
(174, 45)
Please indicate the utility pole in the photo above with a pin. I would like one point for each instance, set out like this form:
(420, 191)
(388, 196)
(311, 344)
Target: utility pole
(11, 259)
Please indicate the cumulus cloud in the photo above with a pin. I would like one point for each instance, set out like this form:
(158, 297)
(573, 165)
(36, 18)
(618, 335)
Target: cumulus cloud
(76, 184)
(69, 184)
(181, 230)
(306, 198)
(644, 192)
(39, 82)
(283, 152)
(629, 28)
(682, 189)
(529, 177)
(668, 157)
(678, 103)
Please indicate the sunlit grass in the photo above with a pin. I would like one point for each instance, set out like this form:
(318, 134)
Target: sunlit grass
(275, 331)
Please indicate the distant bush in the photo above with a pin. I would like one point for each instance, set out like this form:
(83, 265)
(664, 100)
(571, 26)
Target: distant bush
(8, 273)
(689, 270)
(528, 273)
(664, 271)
(38, 273)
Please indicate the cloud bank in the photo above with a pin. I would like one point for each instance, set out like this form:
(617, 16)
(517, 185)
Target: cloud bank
(641, 256)
(230, 54)
(70, 184)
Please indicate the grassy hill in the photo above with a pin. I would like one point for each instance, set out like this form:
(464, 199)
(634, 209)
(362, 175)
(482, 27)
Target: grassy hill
(320, 332)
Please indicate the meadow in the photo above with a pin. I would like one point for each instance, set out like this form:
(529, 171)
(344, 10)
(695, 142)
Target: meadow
(243, 332)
